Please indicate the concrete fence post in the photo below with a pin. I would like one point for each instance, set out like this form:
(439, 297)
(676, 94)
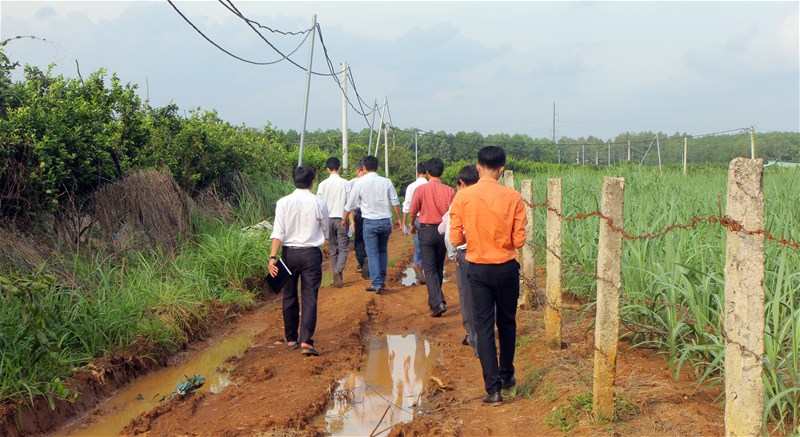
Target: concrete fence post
(609, 266)
(528, 251)
(508, 178)
(554, 226)
(744, 301)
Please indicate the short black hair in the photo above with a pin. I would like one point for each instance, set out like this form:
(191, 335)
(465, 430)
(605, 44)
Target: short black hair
(435, 167)
(333, 163)
(468, 175)
(492, 157)
(421, 169)
(370, 163)
(303, 176)
(360, 165)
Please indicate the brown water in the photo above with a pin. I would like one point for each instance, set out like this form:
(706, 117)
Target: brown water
(391, 380)
(137, 398)
(410, 278)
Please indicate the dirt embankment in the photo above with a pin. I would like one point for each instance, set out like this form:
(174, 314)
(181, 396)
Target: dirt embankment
(277, 391)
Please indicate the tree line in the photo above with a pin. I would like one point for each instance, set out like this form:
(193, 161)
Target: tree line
(63, 137)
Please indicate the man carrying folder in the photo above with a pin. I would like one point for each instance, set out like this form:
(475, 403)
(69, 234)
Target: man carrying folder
(301, 219)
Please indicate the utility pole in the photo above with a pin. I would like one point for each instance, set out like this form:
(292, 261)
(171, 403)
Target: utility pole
(554, 133)
(629, 150)
(609, 153)
(596, 156)
(308, 88)
(583, 154)
(372, 126)
(416, 150)
(752, 142)
(685, 153)
(378, 140)
(658, 150)
(344, 117)
(385, 149)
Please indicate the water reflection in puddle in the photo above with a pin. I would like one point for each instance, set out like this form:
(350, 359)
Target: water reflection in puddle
(137, 398)
(391, 380)
(410, 277)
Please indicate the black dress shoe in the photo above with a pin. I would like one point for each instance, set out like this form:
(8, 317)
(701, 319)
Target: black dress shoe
(465, 341)
(438, 310)
(493, 399)
(509, 384)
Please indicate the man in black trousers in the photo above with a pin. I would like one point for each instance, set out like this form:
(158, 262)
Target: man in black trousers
(357, 228)
(301, 219)
(491, 219)
(431, 201)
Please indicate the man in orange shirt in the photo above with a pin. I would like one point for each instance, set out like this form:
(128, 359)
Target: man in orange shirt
(431, 201)
(491, 219)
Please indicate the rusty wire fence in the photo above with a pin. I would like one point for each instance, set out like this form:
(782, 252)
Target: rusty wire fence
(672, 282)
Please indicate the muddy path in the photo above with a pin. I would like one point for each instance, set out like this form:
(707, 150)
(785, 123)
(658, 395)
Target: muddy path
(277, 391)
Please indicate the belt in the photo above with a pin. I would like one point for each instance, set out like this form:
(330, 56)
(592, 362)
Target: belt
(300, 248)
(429, 224)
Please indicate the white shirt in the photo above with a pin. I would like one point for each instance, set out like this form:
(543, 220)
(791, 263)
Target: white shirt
(352, 183)
(376, 193)
(334, 192)
(301, 220)
(444, 228)
(410, 193)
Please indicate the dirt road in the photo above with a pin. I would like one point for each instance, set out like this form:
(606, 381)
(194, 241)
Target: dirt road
(277, 391)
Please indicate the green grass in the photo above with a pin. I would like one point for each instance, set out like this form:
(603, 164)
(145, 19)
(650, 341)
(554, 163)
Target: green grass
(81, 307)
(673, 286)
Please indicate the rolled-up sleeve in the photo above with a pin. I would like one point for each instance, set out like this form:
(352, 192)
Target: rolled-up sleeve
(392, 194)
(416, 202)
(457, 222)
(324, 221)
(518, 234)
(352, 197)
(278, 227)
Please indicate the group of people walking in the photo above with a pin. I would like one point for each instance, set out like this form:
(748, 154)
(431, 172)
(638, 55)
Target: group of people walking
(480, 226)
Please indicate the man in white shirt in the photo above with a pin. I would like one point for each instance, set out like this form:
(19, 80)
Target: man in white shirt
(301, 220)
(375, 193)
(468, 175)
(334, 192)
(421, 172)
(357, 227)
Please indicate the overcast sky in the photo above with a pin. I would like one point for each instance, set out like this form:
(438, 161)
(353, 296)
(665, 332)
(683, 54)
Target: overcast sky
(610, 67)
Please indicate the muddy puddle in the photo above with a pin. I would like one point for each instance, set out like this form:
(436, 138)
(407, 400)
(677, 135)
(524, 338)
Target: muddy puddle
(387, 390)
(145, 393)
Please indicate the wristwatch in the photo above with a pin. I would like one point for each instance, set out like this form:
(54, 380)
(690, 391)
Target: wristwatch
(273, 257)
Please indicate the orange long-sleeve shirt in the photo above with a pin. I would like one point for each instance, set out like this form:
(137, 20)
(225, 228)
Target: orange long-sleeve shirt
(491, 219)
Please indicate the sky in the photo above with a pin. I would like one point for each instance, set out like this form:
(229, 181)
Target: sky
(488, 67)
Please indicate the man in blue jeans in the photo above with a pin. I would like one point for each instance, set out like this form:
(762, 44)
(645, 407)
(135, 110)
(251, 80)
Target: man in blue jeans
(375, 194)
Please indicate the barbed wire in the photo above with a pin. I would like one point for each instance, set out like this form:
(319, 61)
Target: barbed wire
(724, 221)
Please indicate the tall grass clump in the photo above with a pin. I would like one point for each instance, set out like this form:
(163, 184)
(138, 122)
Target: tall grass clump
(93, 305)
(673, 285)
(258, 197)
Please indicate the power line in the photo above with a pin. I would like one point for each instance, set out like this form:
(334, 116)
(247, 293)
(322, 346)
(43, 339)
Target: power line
(232, 8)
(223, 49)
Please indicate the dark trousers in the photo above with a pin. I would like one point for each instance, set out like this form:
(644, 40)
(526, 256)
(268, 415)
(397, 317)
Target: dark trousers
(495, 290)
(338, 244)
(465, 297)
(358, 239)
(432, 251)
(305, 265)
